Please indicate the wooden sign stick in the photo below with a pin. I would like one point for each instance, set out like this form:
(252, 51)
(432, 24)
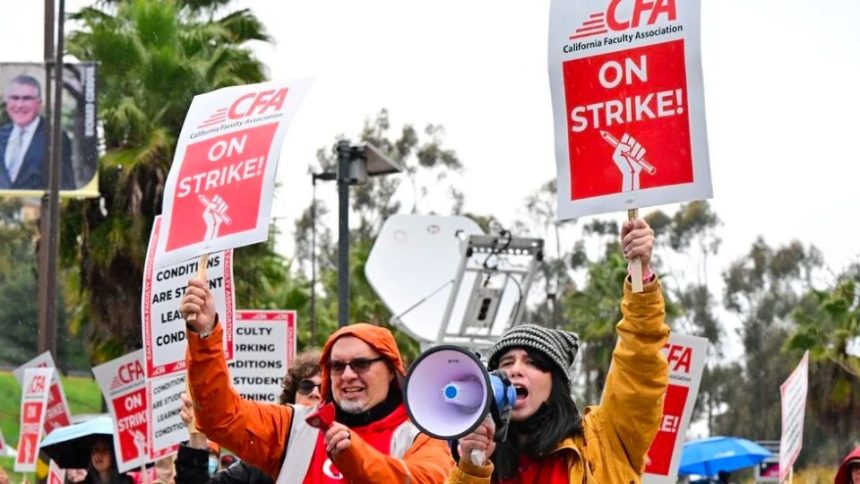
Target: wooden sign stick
(635, 265)
(201, 275)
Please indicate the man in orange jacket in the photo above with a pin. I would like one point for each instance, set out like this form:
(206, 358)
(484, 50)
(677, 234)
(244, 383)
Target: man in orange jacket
(371, 440)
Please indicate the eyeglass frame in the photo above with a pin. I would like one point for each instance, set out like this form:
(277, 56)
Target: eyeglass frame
(363, 366)
(303, 391)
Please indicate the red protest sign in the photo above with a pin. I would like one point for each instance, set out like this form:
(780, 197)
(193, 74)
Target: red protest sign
(639, 94)
(218, 194)
(220, 186)
(663, 445)
(130, 413)
(36, 383)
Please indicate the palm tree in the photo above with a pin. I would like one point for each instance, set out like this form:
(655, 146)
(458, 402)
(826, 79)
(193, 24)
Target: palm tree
(154, 56)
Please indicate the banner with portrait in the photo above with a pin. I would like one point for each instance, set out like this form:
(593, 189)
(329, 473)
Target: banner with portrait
(25, 128)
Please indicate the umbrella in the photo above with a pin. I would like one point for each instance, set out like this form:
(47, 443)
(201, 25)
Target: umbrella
(707, 457)
(70, 446)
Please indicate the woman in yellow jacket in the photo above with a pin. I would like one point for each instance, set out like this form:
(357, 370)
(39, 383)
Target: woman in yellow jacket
(548, 440)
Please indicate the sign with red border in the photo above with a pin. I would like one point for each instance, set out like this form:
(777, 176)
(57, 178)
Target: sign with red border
(34, 398)
(265, 347)
(57, 413)
(123, 385)
(686, 356)
(628, 104)
(218, 194)
(163, 327)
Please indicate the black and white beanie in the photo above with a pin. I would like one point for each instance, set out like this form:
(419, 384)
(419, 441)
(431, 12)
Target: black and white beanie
(559, 346)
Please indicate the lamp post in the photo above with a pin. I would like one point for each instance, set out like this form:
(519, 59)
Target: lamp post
(354, 164)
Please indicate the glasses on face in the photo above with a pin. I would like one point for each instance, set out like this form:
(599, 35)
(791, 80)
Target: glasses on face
(306, 387)
(358, 365)
(28, 99)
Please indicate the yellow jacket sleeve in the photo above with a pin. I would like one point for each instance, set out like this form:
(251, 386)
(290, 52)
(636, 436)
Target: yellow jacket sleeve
(629, 415)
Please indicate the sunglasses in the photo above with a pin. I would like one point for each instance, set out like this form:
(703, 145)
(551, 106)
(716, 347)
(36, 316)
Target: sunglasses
(358, 365)
(307, 386)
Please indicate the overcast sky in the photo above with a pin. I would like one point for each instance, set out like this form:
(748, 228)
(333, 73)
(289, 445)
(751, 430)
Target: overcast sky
(780, 87)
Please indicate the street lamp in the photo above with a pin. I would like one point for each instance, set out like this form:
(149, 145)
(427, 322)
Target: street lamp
(355, 163)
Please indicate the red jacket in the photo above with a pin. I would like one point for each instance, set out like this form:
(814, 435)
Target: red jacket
(260, 433)
(843, 475)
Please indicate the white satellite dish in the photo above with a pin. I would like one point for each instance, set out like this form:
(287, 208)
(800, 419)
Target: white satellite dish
(412, 267)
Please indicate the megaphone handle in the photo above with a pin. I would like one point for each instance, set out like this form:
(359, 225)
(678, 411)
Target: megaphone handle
(478, 457)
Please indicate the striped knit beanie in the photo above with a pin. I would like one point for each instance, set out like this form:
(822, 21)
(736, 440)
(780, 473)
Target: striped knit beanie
(560, 347)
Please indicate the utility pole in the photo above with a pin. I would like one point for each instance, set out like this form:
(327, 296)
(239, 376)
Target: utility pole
(49, 247)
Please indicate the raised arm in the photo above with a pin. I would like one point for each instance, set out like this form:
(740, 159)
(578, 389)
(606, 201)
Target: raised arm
(632, 403)
(256, 432)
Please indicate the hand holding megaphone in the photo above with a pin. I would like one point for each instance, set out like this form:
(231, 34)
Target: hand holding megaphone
(450, 395)
(480, 444)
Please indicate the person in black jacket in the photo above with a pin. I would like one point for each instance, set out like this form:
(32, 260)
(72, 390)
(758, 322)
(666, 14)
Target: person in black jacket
(301, 386)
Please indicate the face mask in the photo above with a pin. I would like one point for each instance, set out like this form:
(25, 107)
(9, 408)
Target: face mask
(213, 465)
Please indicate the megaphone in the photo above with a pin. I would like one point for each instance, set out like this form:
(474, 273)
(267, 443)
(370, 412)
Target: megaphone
(449, 392)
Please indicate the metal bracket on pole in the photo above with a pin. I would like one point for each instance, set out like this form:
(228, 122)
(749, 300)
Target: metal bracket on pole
(502, 268)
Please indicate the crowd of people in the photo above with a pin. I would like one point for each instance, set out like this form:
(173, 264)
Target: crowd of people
(360, 372)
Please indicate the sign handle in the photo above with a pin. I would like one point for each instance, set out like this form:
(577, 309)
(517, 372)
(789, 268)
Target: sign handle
(635, 265)
(201, 275)
(191, 424)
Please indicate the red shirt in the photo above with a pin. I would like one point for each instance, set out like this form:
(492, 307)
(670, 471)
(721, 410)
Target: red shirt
(551, 469)
(378, 435)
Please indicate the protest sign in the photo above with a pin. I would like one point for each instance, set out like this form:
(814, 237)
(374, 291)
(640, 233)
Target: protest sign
(36, 385)
(793, 400)
(265, 346)
(163, 287)
(166, 430)
(219, 192)
(123, 384)
(628, 104)
(686, 356)
(55, 474)
(57, 413)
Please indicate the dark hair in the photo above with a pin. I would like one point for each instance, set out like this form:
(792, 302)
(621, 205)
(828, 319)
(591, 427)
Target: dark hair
(305, 365)
(27, 80)
(540, 434)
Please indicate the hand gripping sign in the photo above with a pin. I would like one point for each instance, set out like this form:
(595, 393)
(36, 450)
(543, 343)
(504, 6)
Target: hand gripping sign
(686, 356)
(219, 192)
(628, 104)
(163, 326)
(57, 413)
(34, 398)
(265, 346)
(123, 384)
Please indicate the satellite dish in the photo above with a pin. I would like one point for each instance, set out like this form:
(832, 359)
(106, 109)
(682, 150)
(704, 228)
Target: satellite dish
(412, 267)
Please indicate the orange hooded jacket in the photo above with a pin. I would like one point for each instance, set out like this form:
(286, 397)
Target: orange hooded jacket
(259, 432)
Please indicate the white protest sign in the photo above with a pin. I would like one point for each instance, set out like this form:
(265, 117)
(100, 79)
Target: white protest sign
(219, 192)
(123, 384)
(163, 287)
(793, 399)
(55, 474)
(686, 356)
(57, 413)
(166, 430)
(628, 104)
(265, 344)
(34, 398)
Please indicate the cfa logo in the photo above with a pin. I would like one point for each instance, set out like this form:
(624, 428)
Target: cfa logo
(617, 18)
(130, 372)
(250, 104)
(680, 358)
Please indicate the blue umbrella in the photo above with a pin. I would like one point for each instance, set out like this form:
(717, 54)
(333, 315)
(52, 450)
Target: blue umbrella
(707, 457)
(70, 446)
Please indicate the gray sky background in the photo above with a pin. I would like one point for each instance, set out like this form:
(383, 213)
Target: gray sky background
(780, 86)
